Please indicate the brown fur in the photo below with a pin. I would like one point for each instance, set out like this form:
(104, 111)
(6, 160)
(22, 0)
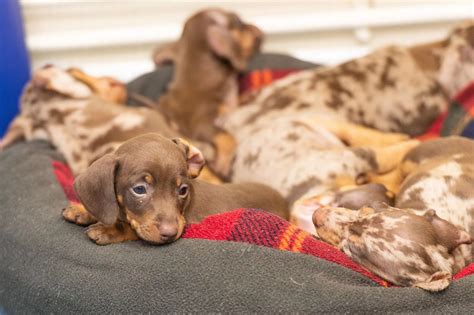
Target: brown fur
(61, 107)
(404, 247)
(214, 47)
(412, 244)
(147, 189)
(393, 89)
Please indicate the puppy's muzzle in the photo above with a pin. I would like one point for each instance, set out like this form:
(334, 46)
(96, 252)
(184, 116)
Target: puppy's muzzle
(160, 231)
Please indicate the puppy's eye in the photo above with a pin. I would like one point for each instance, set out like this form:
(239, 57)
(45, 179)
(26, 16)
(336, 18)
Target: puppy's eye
(139, 190)
(183, 190)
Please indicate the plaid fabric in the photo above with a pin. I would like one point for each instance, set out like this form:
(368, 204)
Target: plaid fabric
(458, 120)
(255, 227)
(257, 79)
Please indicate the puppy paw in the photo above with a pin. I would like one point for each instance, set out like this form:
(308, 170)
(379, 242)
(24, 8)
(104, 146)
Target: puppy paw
(103, 235)
(437, 282)
(76, 213)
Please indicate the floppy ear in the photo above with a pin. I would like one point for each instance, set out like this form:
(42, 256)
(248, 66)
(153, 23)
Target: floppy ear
(194, 157)
(95, 189)
(166, 54)
(223, 45)
(447, 233)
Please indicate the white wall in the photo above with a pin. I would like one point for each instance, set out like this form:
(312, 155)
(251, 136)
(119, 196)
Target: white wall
(107, 37)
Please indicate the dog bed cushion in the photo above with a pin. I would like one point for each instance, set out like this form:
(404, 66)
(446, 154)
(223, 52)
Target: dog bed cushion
(48, 265)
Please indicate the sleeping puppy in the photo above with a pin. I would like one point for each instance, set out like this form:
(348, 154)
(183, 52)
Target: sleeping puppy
(80, 115)
(215, 46)
(147, 189)
(403, 246)
(295, 133)
(439, 175)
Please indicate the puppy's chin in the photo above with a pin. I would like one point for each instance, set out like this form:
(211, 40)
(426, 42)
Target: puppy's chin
(329, 236)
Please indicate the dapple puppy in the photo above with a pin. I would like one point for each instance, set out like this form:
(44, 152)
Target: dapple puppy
(293, 134)
(439, 175)
(63, 108)
(147, 190)
(215, 46)
(58, 107)
(405, 247)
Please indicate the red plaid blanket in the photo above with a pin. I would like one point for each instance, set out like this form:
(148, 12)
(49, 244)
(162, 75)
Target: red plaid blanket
(255, 227)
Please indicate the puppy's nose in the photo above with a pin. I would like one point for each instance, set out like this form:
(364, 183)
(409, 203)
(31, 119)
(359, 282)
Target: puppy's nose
(168, 232)
(319, 217)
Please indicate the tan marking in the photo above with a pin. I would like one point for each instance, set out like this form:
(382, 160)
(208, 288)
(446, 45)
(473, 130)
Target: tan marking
(364, 211)
(208, 176)
(76, 213)
(225, 146)
(389, 157)
(344, 180)
(120, 199)
(391, 180)
(356, 135)
(407, 167)
(149, 179)
(104, 235)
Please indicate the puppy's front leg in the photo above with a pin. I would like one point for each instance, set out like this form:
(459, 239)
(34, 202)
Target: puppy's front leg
(109, 234)
(225, 149)
(356, 135)
(390, 157)
(391, 180)
(15, 132)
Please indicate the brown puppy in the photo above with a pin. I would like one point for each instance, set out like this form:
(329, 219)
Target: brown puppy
(214, 47)
(147, 190)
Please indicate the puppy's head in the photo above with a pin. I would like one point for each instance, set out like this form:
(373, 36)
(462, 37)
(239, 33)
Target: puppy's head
(221, 33)
(330, 223)
(146, 182)
(405, 248)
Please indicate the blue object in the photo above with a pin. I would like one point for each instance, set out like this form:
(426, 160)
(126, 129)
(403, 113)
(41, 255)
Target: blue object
(14, 61)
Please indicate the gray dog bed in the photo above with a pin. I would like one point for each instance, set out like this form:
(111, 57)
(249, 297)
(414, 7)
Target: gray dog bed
(49, 266)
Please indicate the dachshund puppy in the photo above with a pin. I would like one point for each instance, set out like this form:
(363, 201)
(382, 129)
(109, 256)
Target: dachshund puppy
(215, 46)
(307, 133)
(405, 247)
(147, 189)
(81, 116)
(425, 239)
